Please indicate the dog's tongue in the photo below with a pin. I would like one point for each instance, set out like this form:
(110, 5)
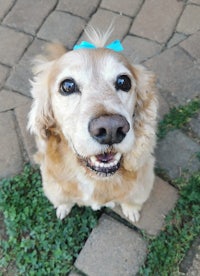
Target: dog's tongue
(105, 157)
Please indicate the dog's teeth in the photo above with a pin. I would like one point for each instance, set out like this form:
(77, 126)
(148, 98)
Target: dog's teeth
(93, 159)
(117, 156)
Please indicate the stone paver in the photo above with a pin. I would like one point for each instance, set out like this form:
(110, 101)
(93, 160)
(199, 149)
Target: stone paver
(12, 45)
(162, 199)
(194, 2)
(189, 22)
(10, 155)
(157, 23)
(3, 74)
(191, 45)
(103, 18)
(177, 152)
(22, 119)
(179, 80)
(19, 79)
(112, 249)
(85, 9)
(127, 7)
(190, 264)
(63, 27)
(29, 15)
(176, 39)
(5, 6)
(139, 49)
(9, 100)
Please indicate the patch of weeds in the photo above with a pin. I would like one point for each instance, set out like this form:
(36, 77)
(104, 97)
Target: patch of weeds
(37, 242)
(182, 225)
(178, 117)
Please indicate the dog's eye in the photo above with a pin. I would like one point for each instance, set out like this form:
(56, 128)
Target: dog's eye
(123, 83)
(68, 87)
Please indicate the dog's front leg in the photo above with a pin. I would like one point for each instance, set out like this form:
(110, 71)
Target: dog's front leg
(63, 210)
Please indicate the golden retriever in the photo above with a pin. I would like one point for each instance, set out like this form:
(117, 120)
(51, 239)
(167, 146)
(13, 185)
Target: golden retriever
(94, 119)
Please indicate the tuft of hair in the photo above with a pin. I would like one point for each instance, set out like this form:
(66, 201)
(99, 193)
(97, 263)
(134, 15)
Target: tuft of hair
(97, 37)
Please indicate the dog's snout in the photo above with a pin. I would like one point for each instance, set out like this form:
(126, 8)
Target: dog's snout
(109, 129)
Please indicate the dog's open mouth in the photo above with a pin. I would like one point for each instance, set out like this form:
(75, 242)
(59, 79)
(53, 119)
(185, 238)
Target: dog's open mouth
(104, 164)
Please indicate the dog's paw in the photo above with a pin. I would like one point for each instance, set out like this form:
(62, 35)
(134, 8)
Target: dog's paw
(63, 210)
(131, 212)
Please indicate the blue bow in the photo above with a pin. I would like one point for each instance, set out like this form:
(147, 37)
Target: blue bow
(115, 46)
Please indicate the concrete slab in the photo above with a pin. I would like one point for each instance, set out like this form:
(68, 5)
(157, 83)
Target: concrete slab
(5, 7)
(28, 139)
(112, 249)
(3, 74)
(10, 100)
(189, 22)
(19, 79)
(139, 49)
(85, 9)
(28, 16)
(11, 161)
(63, 27)
(156, 20)
(177, 74)
(191, 45)
(176, 153)
(127, 7)
(9, 53)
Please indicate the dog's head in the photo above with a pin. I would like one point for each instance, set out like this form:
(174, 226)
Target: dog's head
(104, 107)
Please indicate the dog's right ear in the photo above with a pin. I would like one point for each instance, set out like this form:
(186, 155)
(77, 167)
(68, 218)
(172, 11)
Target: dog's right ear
(41, 117)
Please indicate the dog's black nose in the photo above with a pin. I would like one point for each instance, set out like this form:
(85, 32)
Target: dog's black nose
(109, 129)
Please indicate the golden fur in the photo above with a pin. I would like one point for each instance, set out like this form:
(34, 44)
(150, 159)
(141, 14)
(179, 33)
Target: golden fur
(60, 125)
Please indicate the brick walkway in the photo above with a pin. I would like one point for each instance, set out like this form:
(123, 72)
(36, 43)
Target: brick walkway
(164, 36)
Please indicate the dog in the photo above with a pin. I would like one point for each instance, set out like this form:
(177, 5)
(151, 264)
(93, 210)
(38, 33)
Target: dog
(94, 119)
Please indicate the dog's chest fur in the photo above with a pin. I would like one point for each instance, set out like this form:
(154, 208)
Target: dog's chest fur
(60, 165)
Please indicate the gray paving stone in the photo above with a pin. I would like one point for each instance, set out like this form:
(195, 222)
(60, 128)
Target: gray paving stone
(10, 100)
(177, 74)
(195, 125)
(112, 249)
(197, 2)
(163, 107)
(21, 73)
(29, 15)
(3, 74)
(189, 22)
(28, 140)
(127, 7)
(176, 39)
(176, 153)
(191, 45)
(5, 6)
(63, 27)
(83, 8)
(102, 20)
(191, 262)
(162, 199)
(12, 45)
(11, 161)
(156, 20)
(139, 49)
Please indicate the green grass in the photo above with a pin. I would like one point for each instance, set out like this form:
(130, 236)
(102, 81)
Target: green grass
(178, 117)
(182, 226)
(38, 243)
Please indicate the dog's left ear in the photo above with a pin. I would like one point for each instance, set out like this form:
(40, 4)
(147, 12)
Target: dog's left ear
(145, 119)
(41, 117)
